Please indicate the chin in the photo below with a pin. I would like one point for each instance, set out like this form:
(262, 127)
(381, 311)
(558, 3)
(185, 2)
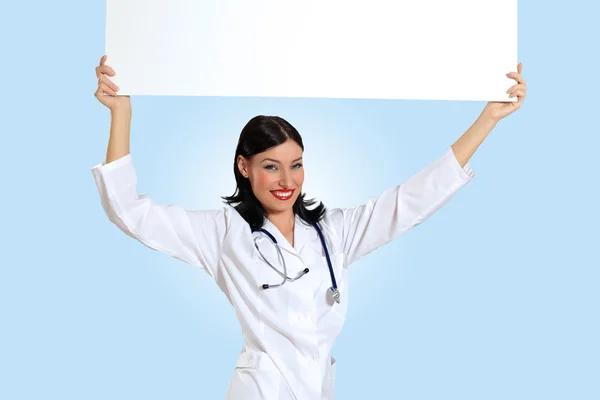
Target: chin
(280, 206)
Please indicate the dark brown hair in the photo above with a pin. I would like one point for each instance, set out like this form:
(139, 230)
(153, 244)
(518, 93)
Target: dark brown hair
(260, 134)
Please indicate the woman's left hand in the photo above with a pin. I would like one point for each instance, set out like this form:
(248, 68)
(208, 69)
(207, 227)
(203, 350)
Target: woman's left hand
(498, 110)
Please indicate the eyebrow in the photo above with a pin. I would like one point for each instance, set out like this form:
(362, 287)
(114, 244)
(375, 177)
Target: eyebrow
(279, 162)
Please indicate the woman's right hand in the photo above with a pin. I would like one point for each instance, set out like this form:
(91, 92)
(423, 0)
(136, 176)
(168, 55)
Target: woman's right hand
(107, 90)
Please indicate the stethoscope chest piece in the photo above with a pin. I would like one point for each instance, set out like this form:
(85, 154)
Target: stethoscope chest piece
(335, 294)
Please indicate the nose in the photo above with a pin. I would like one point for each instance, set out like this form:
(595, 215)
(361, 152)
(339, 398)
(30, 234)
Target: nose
(286, 179)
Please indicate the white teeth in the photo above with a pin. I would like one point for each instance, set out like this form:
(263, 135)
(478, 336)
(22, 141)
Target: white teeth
(283, 194)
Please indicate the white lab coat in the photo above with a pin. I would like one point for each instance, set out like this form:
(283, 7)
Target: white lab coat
(288, 331)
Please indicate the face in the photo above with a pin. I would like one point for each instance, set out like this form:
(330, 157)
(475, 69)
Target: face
(276, 176)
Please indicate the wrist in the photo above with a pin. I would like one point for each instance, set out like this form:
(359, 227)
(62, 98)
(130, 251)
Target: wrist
(121, 110)
(487, 117)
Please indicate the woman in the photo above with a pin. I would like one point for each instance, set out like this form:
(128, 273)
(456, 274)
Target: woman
(290, 297)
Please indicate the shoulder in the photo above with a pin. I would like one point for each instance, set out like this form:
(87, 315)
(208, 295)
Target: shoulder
(332, 224)
(333, 217)
(224, 218)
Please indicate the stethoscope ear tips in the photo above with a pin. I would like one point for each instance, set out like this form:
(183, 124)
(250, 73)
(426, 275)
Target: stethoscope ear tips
(306, 270)
(265, 286)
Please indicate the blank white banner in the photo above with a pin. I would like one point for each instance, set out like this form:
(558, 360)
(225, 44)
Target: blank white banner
(377, 49)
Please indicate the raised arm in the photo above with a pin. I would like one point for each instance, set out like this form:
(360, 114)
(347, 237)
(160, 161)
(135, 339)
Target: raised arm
(120, 112)
(364, 228)
(469, 142)
(191, 236)
(382, 219)
(493, 112)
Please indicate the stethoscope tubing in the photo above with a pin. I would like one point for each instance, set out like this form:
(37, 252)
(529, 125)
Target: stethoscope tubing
(333, 282)
(334, 289)
(282, 259)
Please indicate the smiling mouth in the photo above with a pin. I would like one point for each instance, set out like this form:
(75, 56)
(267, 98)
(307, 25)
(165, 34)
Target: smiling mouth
(282, 194)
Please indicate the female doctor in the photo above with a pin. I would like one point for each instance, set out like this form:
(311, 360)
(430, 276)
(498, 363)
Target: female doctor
(282, 266)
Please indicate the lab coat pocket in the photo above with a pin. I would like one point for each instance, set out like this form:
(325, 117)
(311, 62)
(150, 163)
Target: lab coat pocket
(255, 378)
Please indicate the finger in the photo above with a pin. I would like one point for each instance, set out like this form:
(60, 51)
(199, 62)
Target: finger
(103, 60)
(108, 70)
(514, 94)
(105, 69)
(99, 92)
(108, 82)
(106, 89)
(519, 102)
(512, 88)
(516, 76)
(520, 68)
(518, 86)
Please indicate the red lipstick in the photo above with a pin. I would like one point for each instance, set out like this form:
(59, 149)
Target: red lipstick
(283, 194)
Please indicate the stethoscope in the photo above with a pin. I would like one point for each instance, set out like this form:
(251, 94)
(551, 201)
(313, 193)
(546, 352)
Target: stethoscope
(335, 293)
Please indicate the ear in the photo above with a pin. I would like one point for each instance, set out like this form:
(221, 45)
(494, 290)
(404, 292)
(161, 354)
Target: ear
(242, 165)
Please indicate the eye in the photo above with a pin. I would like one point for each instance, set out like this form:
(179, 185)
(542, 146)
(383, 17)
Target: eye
(297, 166)
(270, 167)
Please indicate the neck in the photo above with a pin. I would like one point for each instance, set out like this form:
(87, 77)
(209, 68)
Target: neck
(284, 221)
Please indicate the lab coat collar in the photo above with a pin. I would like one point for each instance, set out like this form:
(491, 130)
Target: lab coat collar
(302, 234)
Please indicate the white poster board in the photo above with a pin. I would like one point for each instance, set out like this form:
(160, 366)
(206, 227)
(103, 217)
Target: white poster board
(377, 49)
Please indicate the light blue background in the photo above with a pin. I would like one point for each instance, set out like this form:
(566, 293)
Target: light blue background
(494, 297)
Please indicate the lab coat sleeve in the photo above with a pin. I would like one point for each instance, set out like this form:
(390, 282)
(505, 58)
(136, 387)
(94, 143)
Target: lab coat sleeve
(194, 237)
(383, 218)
